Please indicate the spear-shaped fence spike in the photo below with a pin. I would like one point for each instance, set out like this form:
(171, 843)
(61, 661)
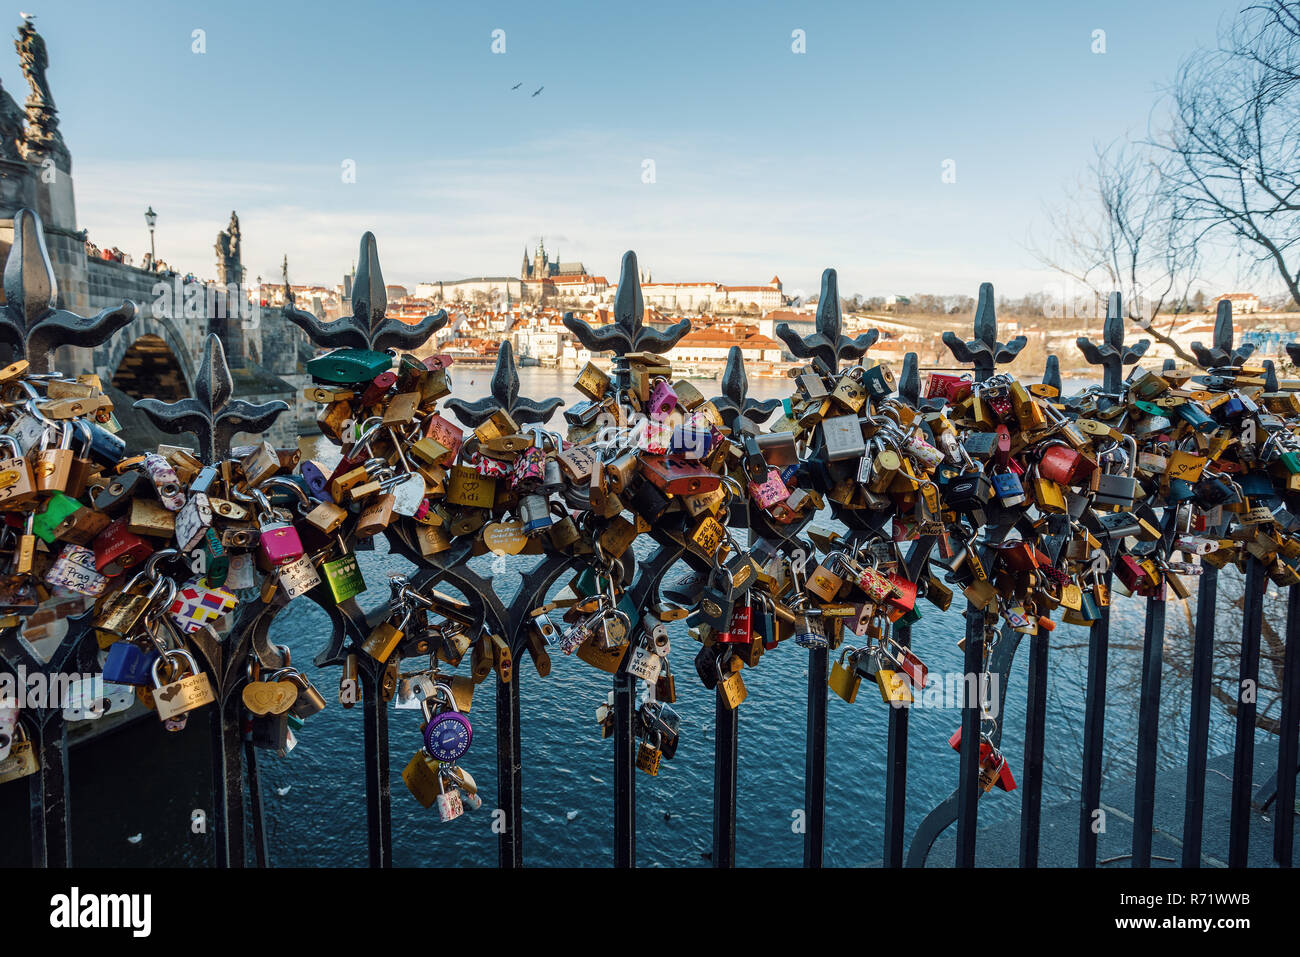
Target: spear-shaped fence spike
(739, 412)
(909, 382)
(1222, 352)
(369, 326)
(627, 333)
(1112, 355)
(504, 390)
(30, 320)
(827, 343)
(1052, 374)
(212, 415)
(1270, 376)
(984, 351)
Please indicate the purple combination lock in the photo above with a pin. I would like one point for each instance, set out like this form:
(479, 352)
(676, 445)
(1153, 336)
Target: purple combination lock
(448, 734)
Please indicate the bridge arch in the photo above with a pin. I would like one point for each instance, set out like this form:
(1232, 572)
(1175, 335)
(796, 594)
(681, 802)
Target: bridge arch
(148, 358)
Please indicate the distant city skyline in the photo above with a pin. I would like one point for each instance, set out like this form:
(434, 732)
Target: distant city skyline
(764, 160)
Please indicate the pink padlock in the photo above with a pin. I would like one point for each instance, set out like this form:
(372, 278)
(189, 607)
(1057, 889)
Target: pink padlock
(279, 543)
(770, 492)
(529, 469)
(662, 398)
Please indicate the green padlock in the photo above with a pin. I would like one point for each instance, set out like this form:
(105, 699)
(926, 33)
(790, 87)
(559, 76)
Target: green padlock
(913, 615)
(349, 366)
(216, 560)
(58, 508)
(344, 577)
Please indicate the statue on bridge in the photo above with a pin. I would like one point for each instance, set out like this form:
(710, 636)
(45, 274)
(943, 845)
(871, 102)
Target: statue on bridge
(229, 267)
(43, 137)
(31, 49)
(13, 127)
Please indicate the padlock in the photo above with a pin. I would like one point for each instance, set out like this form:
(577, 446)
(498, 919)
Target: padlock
(117, 549)
(188, 690)
(51, 466)
(844, 680)
(21, 761)
(17, 482)
(1117, 490)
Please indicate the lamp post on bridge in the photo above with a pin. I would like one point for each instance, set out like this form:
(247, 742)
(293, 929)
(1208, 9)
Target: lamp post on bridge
(151, 218)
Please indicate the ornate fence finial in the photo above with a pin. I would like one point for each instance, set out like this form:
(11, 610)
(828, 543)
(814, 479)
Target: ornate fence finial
(738, 410)
(212, 415)
(984, 351)
(909, 381)
(505, 395)
(368, 327)
(627, 333)
(1052, 374)
(30, 320)
(1222, 353)
(1111, 355)
(1270, 376)
(827, 344)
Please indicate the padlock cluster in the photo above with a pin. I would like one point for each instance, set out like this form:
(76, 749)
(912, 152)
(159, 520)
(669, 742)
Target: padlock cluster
(1027, 503)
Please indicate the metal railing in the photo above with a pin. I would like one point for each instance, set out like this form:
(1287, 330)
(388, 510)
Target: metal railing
(234, 761)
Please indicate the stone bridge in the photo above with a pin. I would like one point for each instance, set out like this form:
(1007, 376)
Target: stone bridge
(159, 353)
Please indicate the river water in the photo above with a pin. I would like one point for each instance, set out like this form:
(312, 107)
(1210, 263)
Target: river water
(314, 797)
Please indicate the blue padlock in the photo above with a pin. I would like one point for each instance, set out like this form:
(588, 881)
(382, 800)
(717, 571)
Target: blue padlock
(1180, 490)
(691, 442)
(129, 664)
(102, 446)
(1008, 488)
(317, 481)
(1197, 418)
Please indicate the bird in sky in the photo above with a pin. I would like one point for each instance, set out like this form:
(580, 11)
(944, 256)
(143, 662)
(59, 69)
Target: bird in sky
(517, 85)
(538, 90)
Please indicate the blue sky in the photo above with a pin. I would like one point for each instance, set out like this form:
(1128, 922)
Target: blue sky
(765, 161)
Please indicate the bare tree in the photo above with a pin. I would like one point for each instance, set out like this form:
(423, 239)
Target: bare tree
(1121, 230)
(1233, 145)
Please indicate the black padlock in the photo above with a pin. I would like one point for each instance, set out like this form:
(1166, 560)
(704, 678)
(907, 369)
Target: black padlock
(717, 600)
(706, 666)
(648, 501)
(968, 492)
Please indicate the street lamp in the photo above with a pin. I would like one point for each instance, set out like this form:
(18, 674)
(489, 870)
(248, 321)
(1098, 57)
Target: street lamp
(151, 218)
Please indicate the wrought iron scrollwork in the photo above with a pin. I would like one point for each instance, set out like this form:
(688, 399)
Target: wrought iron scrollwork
(739, 412)
(30, 320)
(504, 395)
(985, 352)
(628, 332)
(1222, 353)
(1112, 355)
(212, 415)
(827, 344)
(369, 326)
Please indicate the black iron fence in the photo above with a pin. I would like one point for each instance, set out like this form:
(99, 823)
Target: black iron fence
(235, 771)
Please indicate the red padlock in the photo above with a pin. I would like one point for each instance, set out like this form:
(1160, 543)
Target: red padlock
(740, 628)
(378, 388)
(906, 601)
(1130, 572)
(117, 548)
(954, 388)
(1064, 466)
(445, 434)
(995, 770)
